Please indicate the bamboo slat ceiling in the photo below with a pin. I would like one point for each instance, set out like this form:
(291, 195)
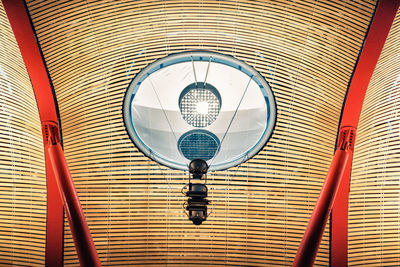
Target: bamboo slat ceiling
(22, 169)
(374, 208)
(306, 50)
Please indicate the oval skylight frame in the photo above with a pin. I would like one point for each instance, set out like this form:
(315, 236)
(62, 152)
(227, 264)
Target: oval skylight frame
(200, 56)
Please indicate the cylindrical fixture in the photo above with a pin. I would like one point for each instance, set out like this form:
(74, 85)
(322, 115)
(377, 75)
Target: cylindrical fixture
(84, 244)
(312, 237)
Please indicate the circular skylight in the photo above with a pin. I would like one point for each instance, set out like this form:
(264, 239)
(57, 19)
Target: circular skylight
(199, 105)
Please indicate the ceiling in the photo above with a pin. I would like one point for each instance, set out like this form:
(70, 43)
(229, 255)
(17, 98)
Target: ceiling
(306, 51)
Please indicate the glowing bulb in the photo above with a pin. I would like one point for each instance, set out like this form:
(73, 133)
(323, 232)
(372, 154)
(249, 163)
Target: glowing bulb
(202, 107)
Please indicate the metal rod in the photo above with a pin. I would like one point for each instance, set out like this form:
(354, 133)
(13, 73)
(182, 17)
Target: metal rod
(194, 72)
(208, 69)
(233, 117)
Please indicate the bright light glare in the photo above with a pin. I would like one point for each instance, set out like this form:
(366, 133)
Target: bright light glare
(202, 107)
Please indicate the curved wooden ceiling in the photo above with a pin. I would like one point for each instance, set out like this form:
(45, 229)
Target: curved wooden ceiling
(306, 50)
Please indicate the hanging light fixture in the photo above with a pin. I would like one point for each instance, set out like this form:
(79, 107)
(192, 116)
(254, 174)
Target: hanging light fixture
(199, 105)
(196, 204)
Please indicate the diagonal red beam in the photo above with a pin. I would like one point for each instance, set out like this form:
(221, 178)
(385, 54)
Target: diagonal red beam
(60, 188)
(83, 241)
(338, 178)
(312, 237)
(373, 45)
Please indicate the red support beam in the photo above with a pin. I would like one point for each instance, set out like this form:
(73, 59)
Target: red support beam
(77, 222)
(21, 26)
(60, 188)
(373, 45)
(312, 237)
(335, 191)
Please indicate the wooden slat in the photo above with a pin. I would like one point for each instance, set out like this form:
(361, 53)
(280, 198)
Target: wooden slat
(306, 50)
(22, 169)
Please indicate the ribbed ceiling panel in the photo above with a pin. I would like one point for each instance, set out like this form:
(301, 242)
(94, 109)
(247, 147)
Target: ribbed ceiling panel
(374, 209)
(22, 168)
(306, 50)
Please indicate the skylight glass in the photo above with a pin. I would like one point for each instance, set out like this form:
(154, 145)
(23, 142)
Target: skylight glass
(199, 105)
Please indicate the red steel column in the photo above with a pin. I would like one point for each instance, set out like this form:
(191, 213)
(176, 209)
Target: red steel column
(80, 231)
(312, 237)
(21, 26)
(56, 168)
(341, 163)
(373, 45)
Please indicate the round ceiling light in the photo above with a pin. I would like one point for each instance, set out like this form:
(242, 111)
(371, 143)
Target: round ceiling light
(202, 105)
(198, 144)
